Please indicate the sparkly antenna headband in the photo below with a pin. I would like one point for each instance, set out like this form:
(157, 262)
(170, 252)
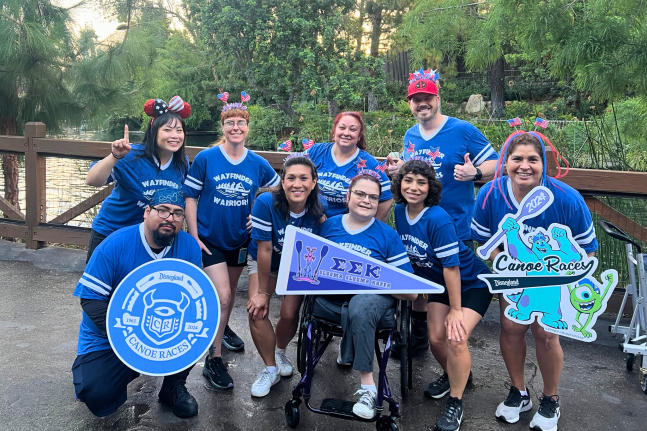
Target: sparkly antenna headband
(244, 97)
(373, 174)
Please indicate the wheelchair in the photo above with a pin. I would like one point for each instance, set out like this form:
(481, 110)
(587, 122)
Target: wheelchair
(317, 327)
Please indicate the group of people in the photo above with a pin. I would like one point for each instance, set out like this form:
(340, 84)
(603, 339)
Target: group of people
(339, 191)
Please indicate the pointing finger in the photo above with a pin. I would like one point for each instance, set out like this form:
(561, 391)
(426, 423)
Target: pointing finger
(126, 133)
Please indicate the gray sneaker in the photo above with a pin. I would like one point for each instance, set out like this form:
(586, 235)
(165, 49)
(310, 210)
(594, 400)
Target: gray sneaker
(283, 364)
(366, 407)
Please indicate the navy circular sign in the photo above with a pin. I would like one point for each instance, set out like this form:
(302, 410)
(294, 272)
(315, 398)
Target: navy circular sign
(163, 317)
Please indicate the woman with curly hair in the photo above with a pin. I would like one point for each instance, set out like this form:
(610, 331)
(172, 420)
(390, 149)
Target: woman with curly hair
(430, 237)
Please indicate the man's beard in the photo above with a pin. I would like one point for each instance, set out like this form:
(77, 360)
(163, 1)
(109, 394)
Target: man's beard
(432, 113)
(163, 239)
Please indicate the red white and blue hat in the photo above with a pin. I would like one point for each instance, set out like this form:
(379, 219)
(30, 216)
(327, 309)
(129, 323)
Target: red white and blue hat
(423, 81)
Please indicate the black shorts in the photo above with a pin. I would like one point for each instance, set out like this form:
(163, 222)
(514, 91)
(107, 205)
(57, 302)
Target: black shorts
(477, 299)
(236, 258)
(469, 243)
(96, 238)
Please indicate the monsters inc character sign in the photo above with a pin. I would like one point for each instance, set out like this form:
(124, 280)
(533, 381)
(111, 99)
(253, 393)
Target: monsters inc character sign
(163, 317)
(545, 274)
(311, 265)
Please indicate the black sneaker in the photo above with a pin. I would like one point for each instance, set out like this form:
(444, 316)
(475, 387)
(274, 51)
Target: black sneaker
(547, 415)
(216, 371)
(232, 341)
(451, 417)
(175, 395)
(508, 411)
(438, 388)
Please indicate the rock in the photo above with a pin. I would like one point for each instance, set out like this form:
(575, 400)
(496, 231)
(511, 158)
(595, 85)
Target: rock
(475, 104)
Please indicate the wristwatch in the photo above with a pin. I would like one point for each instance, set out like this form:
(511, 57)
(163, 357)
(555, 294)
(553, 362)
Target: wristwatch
(478, 175)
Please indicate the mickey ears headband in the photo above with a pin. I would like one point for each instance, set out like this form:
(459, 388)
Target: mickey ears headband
(156, 107)
(244, 97)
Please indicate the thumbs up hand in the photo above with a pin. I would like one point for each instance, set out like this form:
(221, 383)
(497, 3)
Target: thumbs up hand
(121, 147)
(465, 172)
(391, 166)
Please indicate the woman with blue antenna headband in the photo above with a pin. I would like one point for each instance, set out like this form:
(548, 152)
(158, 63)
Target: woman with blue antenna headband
(524, 157)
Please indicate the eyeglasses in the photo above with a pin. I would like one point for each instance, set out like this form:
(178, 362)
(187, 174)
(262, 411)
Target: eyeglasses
(163, 214)
(361, 196)
(230, 124)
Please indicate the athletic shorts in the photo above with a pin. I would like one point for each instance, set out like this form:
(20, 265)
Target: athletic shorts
(96, 238)
(252, 267)
(236, 258)
(477, 299)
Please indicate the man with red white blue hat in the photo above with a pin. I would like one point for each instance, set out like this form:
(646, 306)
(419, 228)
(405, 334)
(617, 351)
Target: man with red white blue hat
(460, 155)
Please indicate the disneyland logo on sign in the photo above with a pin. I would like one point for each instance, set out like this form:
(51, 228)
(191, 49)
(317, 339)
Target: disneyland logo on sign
(163, 317)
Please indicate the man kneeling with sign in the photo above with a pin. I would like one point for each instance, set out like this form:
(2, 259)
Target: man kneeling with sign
(138, 309)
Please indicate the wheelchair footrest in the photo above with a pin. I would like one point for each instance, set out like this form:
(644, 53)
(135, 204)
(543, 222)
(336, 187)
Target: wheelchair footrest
(337, 407)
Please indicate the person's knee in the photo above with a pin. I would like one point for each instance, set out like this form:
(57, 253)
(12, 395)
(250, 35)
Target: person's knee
(225, 298)
(437, 336)
(545, 340)
(457, 347)
(511, 330)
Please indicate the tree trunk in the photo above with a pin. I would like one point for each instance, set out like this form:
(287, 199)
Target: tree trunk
(360, 30)
(10, 165)
(372, 102)
(376, 30)
(497, 88)
(333, 108)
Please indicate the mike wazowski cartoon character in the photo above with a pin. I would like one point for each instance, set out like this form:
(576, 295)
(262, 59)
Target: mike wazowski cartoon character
(545, 300)
(587, 299)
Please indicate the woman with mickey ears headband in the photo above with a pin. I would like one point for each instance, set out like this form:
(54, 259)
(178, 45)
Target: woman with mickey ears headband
(295, 202)
(140, 169)
(339, 161)
(523, 156)
(220, 189)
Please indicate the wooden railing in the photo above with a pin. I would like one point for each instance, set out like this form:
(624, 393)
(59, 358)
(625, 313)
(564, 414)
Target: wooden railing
(33, 227)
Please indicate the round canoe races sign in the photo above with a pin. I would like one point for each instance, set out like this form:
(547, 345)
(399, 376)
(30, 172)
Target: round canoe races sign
(163, 317)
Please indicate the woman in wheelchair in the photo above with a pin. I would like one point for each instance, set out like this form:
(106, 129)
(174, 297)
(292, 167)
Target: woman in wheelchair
(294, 202)
(359, 230)
(430, 237)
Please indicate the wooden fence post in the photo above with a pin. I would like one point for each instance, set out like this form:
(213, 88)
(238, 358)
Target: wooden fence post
(36, 211)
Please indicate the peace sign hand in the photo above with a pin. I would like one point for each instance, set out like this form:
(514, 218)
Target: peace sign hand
(121, 147)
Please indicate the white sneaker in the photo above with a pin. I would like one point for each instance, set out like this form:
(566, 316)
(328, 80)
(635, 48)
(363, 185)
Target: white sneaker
(283, 364)
(264, 382)
(508, 411)
(547, 415)
(340, 362)
(366, 406)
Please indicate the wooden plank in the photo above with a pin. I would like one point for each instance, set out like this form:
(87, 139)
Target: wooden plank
(35, 182)
(14, 144)
(62, 234)
(72, 148)
(14, 229)
(10, 211)
(597, 181)
(623, 222)
(82, 207)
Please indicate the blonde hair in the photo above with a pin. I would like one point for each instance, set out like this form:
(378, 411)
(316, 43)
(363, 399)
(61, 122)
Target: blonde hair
(230, 113)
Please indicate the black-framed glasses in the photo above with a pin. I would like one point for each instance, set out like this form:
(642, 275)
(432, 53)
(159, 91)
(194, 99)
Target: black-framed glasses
(230, 124)
(163, 214)
(361, 196)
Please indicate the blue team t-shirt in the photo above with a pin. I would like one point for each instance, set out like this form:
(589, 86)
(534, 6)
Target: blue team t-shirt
(225, 190)
(377, 240)
(334, 177)
(112, 261)
(447, 147)
(136, 180)
(432, 244)
(568, 209)
(268, 224)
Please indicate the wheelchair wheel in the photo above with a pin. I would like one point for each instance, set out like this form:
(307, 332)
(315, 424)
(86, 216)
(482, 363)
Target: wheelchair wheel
(643, 385)
(405, 357)
(630, 361)
(386, 423)
(292, 414)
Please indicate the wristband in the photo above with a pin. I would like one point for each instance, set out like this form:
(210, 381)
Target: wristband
(264, 293)
(118, 158)
(478, 175)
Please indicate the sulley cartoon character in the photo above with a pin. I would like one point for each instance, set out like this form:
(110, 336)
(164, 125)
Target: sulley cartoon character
(545, 300)
(587, 299)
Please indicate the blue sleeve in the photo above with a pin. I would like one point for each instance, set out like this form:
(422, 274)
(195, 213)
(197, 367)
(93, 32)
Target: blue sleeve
(479, 148)
(397, 255)
(582, 226)
(262, 218)
(324, 228)
(481, 218)
(196, 176)
(269, 178)
(324, 204)
(111, 177)
(98, 279)
(446, 245)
